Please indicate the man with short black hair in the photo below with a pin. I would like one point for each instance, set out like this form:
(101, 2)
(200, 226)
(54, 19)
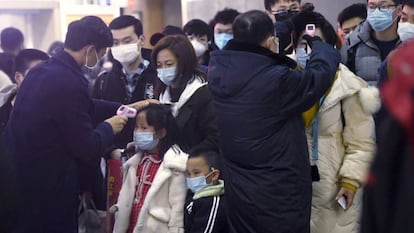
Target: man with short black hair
(132, 77)
(266, 161)
(280, 10)
(55, 128)
(222, 26)
(351, 17)
(11, 40)
(373, 40)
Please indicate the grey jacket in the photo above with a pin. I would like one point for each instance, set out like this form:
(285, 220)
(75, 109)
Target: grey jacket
(367, 55)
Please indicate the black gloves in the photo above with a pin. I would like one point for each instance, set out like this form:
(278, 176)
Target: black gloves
(310, 39)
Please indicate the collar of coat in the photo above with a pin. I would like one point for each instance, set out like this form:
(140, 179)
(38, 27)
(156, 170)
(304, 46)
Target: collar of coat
(238, 45)
(174, 159)
(209, 191)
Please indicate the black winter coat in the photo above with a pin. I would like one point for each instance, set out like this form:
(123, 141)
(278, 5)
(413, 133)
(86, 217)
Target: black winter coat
(50, 135)
(258, 101)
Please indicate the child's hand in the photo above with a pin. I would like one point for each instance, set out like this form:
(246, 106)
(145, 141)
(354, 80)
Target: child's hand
(117, 123)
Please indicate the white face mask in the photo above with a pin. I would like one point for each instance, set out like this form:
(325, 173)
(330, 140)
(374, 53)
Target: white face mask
(167, 75)
(93, 66)
(126, 53)
(199, 48)
(406, 31)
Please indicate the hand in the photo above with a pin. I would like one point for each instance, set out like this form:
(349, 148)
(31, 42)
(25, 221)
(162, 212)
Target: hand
(310, 39)
(117, 123)
(116, 154)
(348, 194)
(143, 103)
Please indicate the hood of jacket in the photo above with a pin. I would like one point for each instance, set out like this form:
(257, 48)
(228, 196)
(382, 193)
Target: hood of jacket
(225, 76)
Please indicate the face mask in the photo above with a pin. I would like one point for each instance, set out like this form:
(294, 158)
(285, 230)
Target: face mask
(285, 15)
(145, 140)
(406, 31)
(94, 66)
(126, 53)
(197, 183)
(167, 75)
(221, 39)
(380, 20)
(302, 57)
(199, 48)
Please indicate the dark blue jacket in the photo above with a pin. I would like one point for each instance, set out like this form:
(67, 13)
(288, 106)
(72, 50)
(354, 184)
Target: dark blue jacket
(258, 101)
(50, 135)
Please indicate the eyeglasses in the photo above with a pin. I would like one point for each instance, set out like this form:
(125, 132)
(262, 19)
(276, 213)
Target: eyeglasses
(384, 7)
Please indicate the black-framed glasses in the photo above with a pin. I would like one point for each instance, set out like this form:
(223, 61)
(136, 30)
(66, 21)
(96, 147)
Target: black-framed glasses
(383, 7)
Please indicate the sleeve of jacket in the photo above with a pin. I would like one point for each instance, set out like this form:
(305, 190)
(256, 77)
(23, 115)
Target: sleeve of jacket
(207, 124)
(177, 195)
(74, 120)
(358, 137)
(302, 89)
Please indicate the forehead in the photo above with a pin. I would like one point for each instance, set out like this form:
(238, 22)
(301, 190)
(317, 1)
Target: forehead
(381, 1)
(281, 3)
(408, 10)
(197, 163)
(123, 32)
(223, 27)
(164, 55)
(141, 118)
(351, 22)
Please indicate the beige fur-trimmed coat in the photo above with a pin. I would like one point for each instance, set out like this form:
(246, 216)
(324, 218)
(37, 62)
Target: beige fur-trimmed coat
(345, 151)
(162, 211)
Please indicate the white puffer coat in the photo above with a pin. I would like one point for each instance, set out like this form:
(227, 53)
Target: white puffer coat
(163, 208)
(345, 151)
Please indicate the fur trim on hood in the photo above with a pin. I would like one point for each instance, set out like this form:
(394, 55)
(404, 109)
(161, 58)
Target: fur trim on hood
(370, 99)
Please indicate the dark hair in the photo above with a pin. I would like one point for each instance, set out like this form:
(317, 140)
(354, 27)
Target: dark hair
(225, 16)
(26, 56)
(269, 3)
(7, 64)
(166, 31)
(212, 158)
(55, 48)
(124, 21)
(253, 27)
(198, 27)
(305, 17)
(352, 11)
(160, 117)
(11, 39)
(90, 30)
(409, 3)
(187, 65)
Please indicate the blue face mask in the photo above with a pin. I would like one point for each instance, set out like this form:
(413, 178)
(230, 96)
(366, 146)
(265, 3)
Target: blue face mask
(221, 39)
(167, 75)
(302, 57)
(380, 20)
(145, 140)
(197, 183)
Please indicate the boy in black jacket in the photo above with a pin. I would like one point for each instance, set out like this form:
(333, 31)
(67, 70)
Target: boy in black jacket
(204, 207)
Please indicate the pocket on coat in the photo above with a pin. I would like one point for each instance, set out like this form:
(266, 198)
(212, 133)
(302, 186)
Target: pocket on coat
(161, 214)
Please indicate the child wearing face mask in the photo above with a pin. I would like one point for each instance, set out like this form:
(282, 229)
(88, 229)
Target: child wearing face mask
(153, 192)
(205, 204)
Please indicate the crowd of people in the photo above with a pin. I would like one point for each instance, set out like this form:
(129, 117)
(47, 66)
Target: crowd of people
(263, 121)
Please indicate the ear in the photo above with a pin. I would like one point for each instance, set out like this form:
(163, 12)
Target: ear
(141, 40)
(215, 175)
(19, 78)
(161, 133)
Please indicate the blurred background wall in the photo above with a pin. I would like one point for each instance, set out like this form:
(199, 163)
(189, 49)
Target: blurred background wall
(44, 21)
